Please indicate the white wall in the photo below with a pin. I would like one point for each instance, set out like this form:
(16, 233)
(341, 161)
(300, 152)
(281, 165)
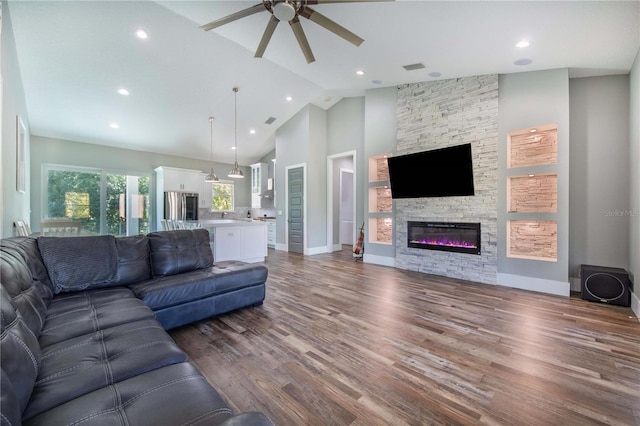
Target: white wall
(15, 205)
(528, 100)
(292, 147)
(634, 166)
(380, 137)
(599, 173)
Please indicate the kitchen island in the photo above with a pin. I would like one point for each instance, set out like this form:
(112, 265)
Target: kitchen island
(233, 239)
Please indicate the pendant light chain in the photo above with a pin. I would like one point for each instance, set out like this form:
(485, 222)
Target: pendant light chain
(211, 177)
(235, 172)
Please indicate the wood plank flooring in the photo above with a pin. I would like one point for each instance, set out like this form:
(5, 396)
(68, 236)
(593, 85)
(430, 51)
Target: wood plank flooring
(339, 342)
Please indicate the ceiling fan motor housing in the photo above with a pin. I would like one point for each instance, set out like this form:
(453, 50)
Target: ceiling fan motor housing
(284, 10)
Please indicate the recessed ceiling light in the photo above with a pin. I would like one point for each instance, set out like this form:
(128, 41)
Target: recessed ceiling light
(233, 147)
(531, 175)
(289, 98)
(123, 92)
(114, 125)
(533, 130)
(376, 81)
(142, 34)
(523, 61)
(523, 43)
(252, 131)
(434, 74)
(361, 72)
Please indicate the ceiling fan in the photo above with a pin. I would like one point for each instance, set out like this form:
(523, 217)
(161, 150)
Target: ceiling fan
(290, 11)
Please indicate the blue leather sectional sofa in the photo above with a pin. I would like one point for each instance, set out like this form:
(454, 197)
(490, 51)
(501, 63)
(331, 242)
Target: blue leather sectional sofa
(83, 323)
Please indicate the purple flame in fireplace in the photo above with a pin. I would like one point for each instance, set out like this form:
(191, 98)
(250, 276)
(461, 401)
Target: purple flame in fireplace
(445, 242)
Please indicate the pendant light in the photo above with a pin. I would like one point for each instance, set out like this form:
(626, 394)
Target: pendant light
(211, 177)
(235, 172)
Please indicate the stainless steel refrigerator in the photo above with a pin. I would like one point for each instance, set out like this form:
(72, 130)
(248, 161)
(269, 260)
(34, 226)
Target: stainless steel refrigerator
(180, 205)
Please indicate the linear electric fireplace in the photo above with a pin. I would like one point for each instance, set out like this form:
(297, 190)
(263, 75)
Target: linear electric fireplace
(444, 236)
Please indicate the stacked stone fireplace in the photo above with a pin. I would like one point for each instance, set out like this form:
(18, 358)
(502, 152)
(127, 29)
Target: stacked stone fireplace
(438, 114)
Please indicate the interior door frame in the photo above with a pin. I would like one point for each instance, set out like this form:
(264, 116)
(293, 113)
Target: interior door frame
(330, 163)
(304, 206)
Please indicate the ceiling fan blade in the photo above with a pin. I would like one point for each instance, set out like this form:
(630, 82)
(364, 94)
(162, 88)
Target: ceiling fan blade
(302, 39)
(332, 26)
(266, 37)
(311, 2)
(234, 17)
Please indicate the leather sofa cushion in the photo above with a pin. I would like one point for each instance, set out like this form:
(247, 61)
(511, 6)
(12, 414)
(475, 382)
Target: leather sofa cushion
(224, 277)
(29, 297)
(133, 259)
(79, 263)
(86, 363)
(74, 314)
(175, 252)
(171, 395)
(9, 403)
(20, 354)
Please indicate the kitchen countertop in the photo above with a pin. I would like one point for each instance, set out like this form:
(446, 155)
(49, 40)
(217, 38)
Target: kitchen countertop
(215, 223)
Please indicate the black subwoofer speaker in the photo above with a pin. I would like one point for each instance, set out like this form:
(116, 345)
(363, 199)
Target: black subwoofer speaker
(606, 285)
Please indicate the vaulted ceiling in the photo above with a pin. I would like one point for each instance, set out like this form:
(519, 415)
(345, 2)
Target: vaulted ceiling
(75, 55)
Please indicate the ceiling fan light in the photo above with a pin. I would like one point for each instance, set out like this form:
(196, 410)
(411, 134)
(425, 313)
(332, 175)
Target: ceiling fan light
(284, 11)
(236, 172)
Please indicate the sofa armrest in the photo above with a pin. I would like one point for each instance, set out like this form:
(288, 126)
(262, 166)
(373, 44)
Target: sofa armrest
(249, 418)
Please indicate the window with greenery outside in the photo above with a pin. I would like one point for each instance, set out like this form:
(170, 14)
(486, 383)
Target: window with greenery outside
(222, 197)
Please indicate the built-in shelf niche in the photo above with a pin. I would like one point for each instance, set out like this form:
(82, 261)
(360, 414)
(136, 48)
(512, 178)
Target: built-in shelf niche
(533, 146)
(532, 197)
(533, 193)
(380, 230)
(532, 239)
(378, 168)
(380, 208)
(380, 199)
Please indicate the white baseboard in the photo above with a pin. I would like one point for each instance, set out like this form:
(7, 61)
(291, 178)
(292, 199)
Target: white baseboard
(282, 247)
(379, 260)
(635, 304)
(559, 288)
(315, 250)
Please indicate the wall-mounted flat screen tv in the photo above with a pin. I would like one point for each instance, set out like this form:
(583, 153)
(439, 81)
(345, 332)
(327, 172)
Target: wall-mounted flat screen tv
(444, 172)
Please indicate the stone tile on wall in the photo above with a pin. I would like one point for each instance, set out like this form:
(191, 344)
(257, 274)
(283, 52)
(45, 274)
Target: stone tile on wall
(438, 114)
(533, 239)
(533, 194)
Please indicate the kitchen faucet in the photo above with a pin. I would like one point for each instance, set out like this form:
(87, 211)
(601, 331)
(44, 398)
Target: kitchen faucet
(224, 214)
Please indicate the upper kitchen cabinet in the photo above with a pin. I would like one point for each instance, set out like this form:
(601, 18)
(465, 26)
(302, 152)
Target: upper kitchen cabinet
(259, 176)
(174, 179)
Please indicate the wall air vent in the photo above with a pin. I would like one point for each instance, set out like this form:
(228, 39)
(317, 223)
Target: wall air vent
(270, 120)
(413, 67)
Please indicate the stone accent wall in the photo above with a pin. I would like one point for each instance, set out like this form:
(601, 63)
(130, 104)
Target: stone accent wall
(533, 194)
(438, 114)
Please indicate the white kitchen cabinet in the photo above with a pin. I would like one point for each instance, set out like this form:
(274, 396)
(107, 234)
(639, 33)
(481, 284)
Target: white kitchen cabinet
(259, 175)
(271, 232)
(236, 241)
(227, 243)
(183, 180)
(205, 193)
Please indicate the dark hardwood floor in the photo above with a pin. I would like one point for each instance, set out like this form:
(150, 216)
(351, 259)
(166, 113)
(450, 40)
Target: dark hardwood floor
(339, 342)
